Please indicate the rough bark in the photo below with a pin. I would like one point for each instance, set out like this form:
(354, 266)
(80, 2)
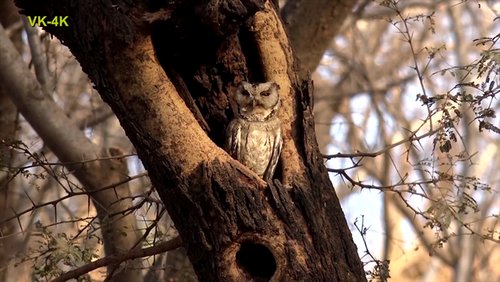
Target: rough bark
(234, 226)
(71, 146)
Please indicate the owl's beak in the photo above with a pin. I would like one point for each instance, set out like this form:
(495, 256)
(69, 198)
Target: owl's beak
(257, 102)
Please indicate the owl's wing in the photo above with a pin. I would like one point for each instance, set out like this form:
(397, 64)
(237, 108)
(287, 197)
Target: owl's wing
(233, 139)
(273, 161)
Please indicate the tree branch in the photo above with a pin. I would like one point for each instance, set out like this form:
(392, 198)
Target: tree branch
(312, 26)
(158, 248)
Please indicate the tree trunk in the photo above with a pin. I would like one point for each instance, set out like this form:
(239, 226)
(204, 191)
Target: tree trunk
(235, 227)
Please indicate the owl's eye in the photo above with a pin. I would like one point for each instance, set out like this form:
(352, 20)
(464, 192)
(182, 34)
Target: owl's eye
(265, 93)
(245, 93)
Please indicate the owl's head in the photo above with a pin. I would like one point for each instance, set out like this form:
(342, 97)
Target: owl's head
(257, 101)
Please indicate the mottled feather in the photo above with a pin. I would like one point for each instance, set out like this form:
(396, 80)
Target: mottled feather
(254, 135)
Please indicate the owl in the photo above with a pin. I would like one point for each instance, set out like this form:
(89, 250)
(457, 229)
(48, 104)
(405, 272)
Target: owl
(254, 135)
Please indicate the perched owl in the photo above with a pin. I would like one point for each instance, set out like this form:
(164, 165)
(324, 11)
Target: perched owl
(254, 135)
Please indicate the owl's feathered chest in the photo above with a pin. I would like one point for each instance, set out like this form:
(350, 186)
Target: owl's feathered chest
(254, 143)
